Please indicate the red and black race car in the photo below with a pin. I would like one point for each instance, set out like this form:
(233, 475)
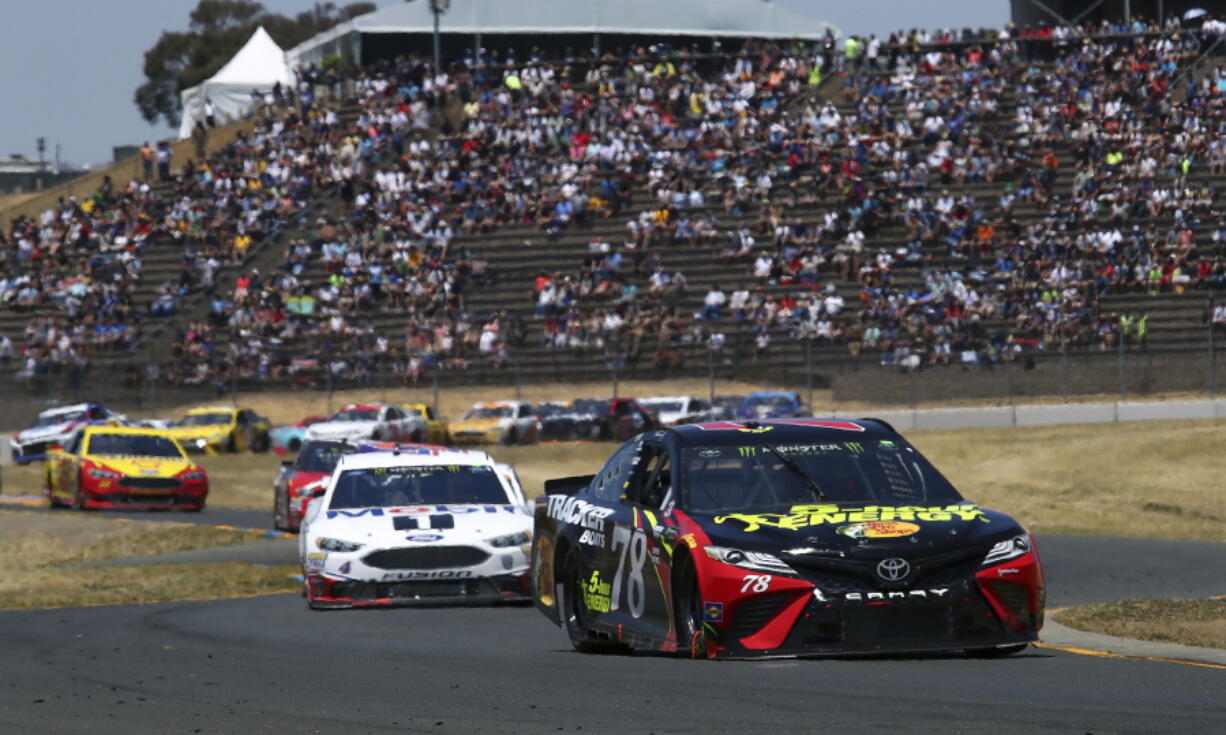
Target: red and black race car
(788, 537)
(299, 477)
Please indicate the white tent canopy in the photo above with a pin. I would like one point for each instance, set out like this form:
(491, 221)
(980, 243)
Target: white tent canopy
(698, 18)
(258, 65)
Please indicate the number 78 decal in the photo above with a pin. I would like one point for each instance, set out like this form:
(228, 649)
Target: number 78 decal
(635, 542)
(756, 582)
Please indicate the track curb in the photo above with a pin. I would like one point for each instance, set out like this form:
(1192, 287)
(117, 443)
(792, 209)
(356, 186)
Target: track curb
(1063, 637)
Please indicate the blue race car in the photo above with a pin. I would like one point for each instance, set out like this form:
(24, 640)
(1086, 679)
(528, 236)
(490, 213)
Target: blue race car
(766, 404)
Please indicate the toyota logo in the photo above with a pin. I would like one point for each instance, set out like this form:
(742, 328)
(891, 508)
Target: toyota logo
(893, 570)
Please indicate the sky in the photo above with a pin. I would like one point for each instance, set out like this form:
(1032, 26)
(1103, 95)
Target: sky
(71, 66)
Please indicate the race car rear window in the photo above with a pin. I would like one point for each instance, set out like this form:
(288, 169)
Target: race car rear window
(357, 415)
(133, 445)
(316, 457)
(390, 487)
(205, 419)
(59, 418)
(738, 478)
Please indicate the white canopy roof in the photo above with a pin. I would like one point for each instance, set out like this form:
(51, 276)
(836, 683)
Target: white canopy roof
(702, 18)
(258, 65)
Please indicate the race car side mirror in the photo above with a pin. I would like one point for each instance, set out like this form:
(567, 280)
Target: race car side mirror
(287, 463)
(319, 492)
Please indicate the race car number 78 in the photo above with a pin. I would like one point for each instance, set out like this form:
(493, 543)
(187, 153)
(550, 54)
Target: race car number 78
(756, 582)
(636, 593)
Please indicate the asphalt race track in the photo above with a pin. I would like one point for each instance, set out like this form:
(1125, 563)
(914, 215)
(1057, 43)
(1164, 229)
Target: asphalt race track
(269, 664)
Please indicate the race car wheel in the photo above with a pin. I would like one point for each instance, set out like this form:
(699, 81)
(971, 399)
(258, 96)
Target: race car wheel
(999, 652)
(691, 636)
(415, 437)
(574, 610)
(510, 437)
(294, 445)
(260, 443)
(229, 446)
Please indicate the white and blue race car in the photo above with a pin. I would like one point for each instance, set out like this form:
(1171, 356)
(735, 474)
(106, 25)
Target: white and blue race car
(55, 427)
(416, 524)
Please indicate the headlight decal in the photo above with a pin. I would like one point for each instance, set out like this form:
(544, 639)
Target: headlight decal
(1009, 548)
(335, 544)
(756, 560)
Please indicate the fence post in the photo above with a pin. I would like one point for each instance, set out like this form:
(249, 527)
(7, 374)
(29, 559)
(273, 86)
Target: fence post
(1123, 386)
(809, 370)
(1212, 352)
(435, 388)
(1064, 366)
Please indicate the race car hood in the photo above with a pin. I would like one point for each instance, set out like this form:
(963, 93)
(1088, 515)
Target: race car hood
(421, 523)
(298, 479)
(141, 466)
(43, 433)
(342, 429)
(858, 529)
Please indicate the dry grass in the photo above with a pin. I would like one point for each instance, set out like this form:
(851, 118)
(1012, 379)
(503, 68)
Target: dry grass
(44, 552)
(1156, 479)
(1188, 622)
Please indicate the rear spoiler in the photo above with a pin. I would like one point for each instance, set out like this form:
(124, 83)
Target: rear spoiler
(882, 423)
(568, 485)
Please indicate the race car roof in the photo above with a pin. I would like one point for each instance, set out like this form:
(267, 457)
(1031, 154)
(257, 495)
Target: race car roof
(780, 431)
(142, 430)
(367, 460)
(211, 409)
(69, 409)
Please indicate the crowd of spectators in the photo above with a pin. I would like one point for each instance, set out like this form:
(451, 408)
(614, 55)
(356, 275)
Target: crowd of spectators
(966, 196)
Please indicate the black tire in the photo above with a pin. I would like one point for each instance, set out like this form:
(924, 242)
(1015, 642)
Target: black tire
(415, 437)
(999, 652)
(573, 609)
(294, 445)
(261, 443)
(510, 438)
(687, 606)
(229, 446)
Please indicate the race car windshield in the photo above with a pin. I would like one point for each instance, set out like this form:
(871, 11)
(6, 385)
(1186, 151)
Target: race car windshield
(780, 401)
(663, 406)
(554, 409)
(321, 457)
(357, 414)
(489, 412)
(751, 478)
(205, 419)
(133, 445)
(390, 487)
(59, 418)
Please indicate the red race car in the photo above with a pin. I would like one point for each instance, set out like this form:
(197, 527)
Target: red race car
(299, 477)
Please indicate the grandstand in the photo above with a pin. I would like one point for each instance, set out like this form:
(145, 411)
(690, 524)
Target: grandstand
(324, 198)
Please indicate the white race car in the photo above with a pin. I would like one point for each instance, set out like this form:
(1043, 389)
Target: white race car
(370, 421)
(57, 426)
(673, 410)
(416, 525)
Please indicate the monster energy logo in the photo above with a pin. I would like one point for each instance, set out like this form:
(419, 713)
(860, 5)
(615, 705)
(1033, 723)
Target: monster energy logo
(747, 451)
(854, 447)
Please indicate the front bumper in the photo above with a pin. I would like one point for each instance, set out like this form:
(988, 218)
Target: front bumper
(34, 451)
(976, 609)
(108, 495)
(329, 592)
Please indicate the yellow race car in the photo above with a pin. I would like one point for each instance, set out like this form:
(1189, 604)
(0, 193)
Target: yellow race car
(218, 429)
(436, 426)
(124, 467)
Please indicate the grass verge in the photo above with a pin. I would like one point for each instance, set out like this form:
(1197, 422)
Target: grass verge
(1188, 622)
(1150, 479)
(45, 552)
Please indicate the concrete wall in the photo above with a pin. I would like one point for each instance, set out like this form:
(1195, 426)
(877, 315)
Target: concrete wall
(1074, 413)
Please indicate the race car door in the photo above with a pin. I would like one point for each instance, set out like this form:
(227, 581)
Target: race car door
(65, 465)
(637, 547)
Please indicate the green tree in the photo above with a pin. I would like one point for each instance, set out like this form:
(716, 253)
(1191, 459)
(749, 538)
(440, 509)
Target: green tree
(217, 29)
